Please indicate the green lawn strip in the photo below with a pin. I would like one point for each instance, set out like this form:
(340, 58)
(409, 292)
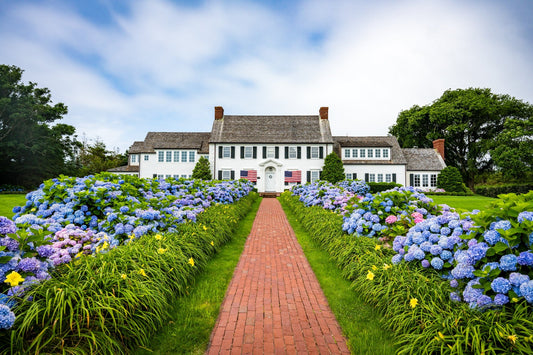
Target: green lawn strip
(194, 315)
(468, 203)
(360, 322)
(8, 201)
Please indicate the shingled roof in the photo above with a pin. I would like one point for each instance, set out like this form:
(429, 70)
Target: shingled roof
(271, 129)
(397, 156)
(125, 169)
(173, 140)
(423, 159)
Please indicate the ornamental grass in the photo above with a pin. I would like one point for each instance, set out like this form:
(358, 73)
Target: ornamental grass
(114, 302)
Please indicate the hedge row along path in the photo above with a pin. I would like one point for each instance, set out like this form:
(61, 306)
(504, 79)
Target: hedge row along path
(274, 303)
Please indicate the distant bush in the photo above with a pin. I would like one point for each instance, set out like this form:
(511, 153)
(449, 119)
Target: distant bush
(11, 189)
(495, 190)
(382, 186)
(450, 179)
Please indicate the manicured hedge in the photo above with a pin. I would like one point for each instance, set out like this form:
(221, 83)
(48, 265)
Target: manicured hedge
(414, 301)
(382, 186)
(495, 190)
(114, 302)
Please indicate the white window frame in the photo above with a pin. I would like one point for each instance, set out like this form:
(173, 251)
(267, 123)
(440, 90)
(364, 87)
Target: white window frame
(416, 180)
(377, 153)
(362, 153)
(184, 176)
(146, 157)
(271, 152)
(226, 174)
(388, 177)
(192, 156)
(315, 175)
(371, 177)
(160, 176)
(176, 177)
(425, 180)
(315, 152)
(386, 153)
(380, 177)
(248, 152)
(370, 153)
(134, 158)
(183, 156)
(168, 156)
(161, 156)
(348, 176)
(226, 152)
(176, 156)
(433, 180)
(347, 153)
(293, 152)
(354, 152)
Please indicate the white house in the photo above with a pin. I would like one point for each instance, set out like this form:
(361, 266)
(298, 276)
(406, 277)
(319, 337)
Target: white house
(276, 152)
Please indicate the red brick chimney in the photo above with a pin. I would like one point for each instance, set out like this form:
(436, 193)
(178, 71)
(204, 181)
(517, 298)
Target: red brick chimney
(438, 145)
(219, 112)
(324, 113)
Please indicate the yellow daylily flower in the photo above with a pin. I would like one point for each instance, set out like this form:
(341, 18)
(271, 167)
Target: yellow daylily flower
(386, 266)
(205, 228)
(191, 261)
(212, 243)
(370, 275)
(413, 302)
(158, 236)
(441, 335)
(161, 250)
(374, 267)
(124, 276)
(141, 272)
(377, 247)
(512, 338)
(14, 278)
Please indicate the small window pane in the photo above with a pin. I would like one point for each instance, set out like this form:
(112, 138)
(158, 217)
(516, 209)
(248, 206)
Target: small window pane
(346, 153)
(176, 156)
(248, 152)
(191, 157)
(425, 179)
(226, 152)
(146, 157)
(370, 151)
(378, 153)
(416, 180)
(160, 157)
(226, 174)
(348, 176)
(380, 177)
(169, 156)
(433, 180)
(133, 158)
(354, 153)
(271, 152)
(362, 153)
(372, 177)
(292, 152)
(388, 177)
(385, 153)
(315, 175)
(314, 152)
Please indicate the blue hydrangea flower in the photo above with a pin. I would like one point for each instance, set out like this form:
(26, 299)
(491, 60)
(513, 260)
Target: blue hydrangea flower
(454, 283)
(463, 271)
(508, 262)
(437, 263)
(425, 263)
(454, 296)
(518, 279)
(396, 259)
(527, 291)
(501, 285)
(492, 237)
(525, 258)
(7, 317)
(500, 299)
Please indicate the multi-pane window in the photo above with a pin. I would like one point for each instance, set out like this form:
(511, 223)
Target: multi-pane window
(362, 153)
(184, 176)
(315, 175)
(160, 157)
(226, 152)
(385, 153)
(169, 156)
(388, 177)
(380, 177)
(370, 153)
(314, 152)
(160, 176)
(133, 158)
(146, 157)
(176, 177)
(425, 182)
(176, 156)
(354, 152)
(416, 180)
(377, 153)
(433, 180)
(167, 176)
(191, 156)
(226, 174)
(371, 177)
(348, 176)
(248, 152)
(293, 153)
(183, 156)
(347, 153)
(271, 152)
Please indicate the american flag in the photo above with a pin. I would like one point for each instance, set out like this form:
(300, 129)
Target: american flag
(293, 176)
(249, 174)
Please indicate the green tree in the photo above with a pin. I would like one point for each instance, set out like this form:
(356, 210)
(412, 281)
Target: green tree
(96, 158)
(32, 146)
(470, 121)
(450, 179)
(333, 170)
(201, 169)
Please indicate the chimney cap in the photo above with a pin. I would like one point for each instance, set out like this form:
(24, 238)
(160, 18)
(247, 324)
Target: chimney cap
(323, 112)
(219, 112)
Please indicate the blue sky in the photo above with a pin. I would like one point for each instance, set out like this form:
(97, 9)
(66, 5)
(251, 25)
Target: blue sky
(128, 67)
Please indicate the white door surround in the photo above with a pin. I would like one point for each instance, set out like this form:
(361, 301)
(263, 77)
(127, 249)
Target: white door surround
(270, 179)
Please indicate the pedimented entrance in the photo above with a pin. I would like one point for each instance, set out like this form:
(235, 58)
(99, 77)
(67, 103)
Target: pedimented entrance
(270, 179)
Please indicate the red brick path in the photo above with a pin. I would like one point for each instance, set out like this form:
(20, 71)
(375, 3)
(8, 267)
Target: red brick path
(274, 303)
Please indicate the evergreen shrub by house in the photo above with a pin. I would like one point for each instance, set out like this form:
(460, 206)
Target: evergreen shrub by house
(114, 302)
(382, 186)
(201, 169)
(495, 190)
(415, 301)
(333, 170)
(450, 179)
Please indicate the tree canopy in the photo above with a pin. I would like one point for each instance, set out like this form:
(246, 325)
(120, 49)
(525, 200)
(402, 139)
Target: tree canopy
(476, 125)
(333, 169)
(95, 158)
(32, 147)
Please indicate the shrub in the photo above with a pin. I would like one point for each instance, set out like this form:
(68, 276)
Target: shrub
(495, 190)
(382, 186)
(450, 179)
(202, 170)
(333, 170)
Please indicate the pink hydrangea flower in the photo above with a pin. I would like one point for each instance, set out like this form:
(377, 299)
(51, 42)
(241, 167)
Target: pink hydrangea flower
(391, 219)
(418, 217)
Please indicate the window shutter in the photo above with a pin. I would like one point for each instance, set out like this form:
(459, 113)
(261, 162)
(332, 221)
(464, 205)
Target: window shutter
(220, 152)
(242, 152)
(309, 176)
(354, 176)
(366, 177)
(308, 152)
(286, 152)
(277, 152)
(321, 152)
(154, 176)
(393, 177)
(320, 175)
(220, 174)
(255, 152)
(232, 152)
(299, 153)
(411, 180)
(264, 152)
(233, 175)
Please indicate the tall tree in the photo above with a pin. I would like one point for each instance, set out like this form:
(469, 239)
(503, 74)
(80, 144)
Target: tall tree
(333, 169)
(470, 121)
(202, 170)
(95, 158)
(32, 147)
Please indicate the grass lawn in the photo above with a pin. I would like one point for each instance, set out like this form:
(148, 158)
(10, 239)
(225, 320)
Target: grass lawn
(193, 316)
(469, 203)
(359, 321)
(8, 201)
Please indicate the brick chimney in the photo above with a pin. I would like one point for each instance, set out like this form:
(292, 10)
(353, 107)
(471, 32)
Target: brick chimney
(438, 145)
(219, 112)
(324, 113)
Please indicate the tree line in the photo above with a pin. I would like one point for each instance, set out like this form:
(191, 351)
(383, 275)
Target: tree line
(33, 145)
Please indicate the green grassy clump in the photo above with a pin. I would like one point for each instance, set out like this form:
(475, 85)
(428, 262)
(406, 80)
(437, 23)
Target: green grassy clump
(8, 201)
(464, 203)
(413, 301)
(360, 322)
(193, 316)
(114, 302)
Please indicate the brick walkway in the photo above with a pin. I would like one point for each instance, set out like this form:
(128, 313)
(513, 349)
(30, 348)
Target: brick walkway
(274, 303)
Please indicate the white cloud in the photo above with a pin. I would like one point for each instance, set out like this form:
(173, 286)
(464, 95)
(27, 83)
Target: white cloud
(162, 66)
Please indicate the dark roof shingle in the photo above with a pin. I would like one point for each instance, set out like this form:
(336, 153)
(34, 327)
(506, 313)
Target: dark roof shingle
(397, 156)
(173, 140)
(423, 159)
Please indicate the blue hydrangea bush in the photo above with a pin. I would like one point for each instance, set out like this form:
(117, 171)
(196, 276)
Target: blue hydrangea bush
(69, 217)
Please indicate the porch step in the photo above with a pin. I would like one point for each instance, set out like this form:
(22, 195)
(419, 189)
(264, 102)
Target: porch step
(269, 194)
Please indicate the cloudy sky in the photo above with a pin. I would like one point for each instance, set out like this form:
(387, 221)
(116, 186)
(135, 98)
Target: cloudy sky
(128, 67)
